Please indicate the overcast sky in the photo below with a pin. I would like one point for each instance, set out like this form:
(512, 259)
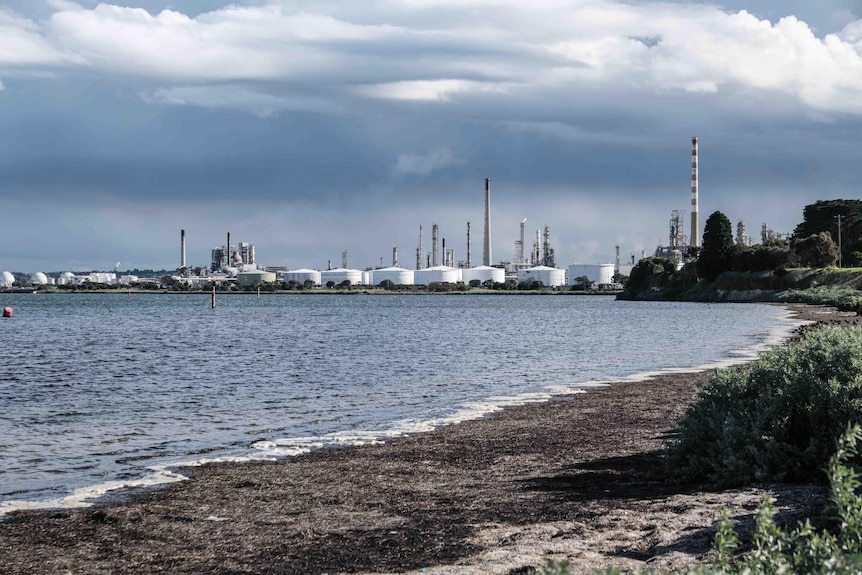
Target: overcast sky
(308, 127)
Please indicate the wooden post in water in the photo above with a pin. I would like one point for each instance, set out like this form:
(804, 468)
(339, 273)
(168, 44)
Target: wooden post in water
(213, 296)
(258, 291)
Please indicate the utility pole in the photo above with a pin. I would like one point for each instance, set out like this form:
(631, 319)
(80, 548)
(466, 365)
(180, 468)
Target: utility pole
(838, 217)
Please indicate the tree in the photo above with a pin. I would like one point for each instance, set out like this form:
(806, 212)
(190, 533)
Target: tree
(582, 283)
(716, 255)
(815, 251)
(823, 216)
(649, 273)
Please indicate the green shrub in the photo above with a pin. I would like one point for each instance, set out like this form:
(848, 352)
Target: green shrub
(847, 299)
(775, 419)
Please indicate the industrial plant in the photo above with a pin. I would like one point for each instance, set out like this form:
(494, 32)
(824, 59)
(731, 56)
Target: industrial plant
(237, 262)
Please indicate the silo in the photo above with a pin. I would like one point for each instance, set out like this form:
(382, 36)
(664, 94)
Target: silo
(339, 275)
(6, 280)
(39, 278)
(550, 277)
(398, 276)
(253, 278)
(596, 273)
(303, 275)
(436, 274)
(483, 274)
(66, 278)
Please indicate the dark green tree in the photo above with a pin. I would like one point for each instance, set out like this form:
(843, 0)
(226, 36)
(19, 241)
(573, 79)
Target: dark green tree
(815, 251)
(649, 273)
(822, 216)
(716, 255)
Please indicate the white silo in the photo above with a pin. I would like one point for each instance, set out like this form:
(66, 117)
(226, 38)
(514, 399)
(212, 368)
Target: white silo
(66, 278)
(398, 276)
(600, 274)
(483, 274)
(39, 278)
(339, 275)
(550, 277)
(6, 280)
(436, 275)
(303, 275)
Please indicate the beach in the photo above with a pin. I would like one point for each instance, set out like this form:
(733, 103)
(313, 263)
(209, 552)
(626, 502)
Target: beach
(577, 478)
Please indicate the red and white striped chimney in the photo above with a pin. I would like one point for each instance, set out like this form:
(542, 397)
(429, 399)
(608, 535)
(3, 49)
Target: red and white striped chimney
(695, 227)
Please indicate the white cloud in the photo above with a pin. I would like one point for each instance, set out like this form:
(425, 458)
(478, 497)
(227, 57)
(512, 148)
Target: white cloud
(423, 165)
(433, 50)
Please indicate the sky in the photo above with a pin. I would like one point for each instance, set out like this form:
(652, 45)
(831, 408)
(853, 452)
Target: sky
(310, 127)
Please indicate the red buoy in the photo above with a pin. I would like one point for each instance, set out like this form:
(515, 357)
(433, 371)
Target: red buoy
(7, 312)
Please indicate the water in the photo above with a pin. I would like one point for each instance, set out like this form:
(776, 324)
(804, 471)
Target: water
(104, 391)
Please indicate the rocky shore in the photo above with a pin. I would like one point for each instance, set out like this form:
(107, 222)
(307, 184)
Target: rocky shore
(577, 478)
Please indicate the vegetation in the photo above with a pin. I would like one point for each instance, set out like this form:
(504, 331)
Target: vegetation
(775, 419)
(822, 216)
(815, 251)
(718, 250)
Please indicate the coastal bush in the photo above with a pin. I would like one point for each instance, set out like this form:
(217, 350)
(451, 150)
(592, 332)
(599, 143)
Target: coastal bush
(846, 299)
(775, 419)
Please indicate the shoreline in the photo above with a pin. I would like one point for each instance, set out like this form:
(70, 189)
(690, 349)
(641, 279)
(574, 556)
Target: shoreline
(572, 477)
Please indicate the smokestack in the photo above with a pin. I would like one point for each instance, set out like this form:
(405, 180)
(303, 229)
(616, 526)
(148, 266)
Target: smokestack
(419, 251)
(695, 229)
(434, 246)
(486, 253)
(445, 263)
(469, 256)
(523, 259)
(182, 248)
(395, 257)
(227, 255)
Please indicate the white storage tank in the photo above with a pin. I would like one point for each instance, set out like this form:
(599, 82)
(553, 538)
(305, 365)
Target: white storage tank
(39, 278)
(66, 278)
(6, 280)
(303, 275)
(550, 277)
(483, 274)
(339, 275)
(253, 278)
(436, 275)
(398, 276)
(599, 274)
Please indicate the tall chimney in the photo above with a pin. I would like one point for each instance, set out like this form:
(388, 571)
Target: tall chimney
(227, 253)
(695, 229)
(420, 251)
(486, 254)
(182, 248)
(469, 256)
(434, 246)
(444, 252)
(395, 257)
(523, 259)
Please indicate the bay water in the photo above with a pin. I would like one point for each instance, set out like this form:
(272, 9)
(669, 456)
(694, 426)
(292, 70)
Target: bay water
(100, 392)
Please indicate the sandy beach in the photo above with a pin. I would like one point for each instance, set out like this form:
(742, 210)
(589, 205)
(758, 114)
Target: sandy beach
(576, 478)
